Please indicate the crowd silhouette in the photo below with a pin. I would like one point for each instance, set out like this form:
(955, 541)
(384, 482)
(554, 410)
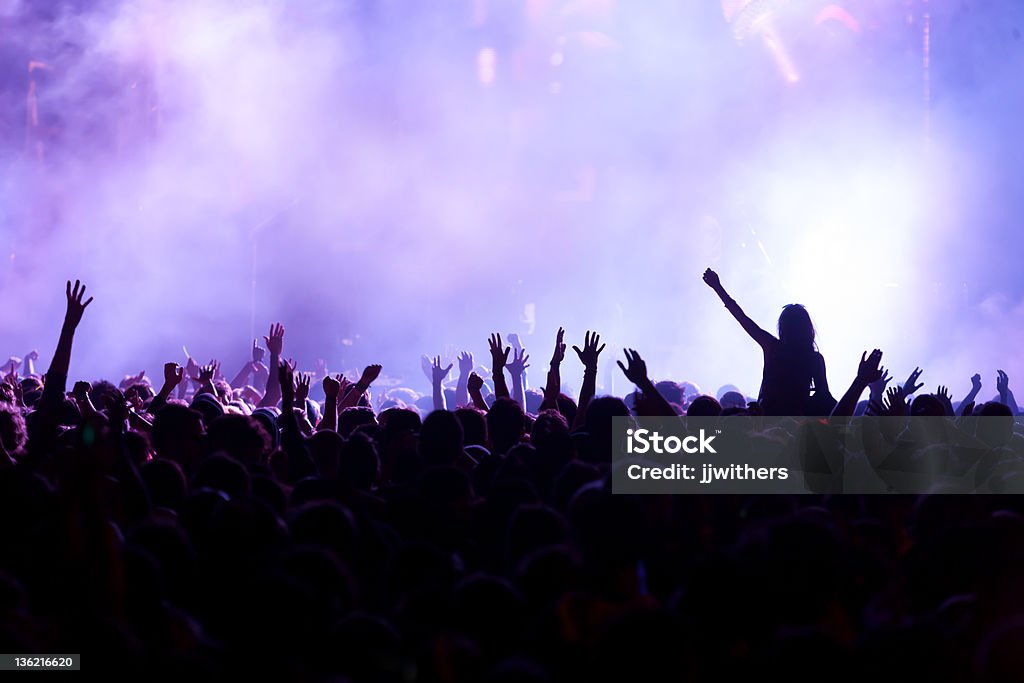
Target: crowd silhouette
(306, 526)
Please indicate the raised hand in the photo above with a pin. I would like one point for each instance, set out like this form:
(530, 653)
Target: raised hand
(332, 387)
(519, 363)
(976, 383)
(275, 340)
(895, 402)
(711, 279)
(877, 386)
(76, 307)
(1002, 382)
(636, 370)
(499, 354)
(475, 382)
(173, 374)
(1005, 394)
(302, 387)
(868, 371)
(438, 373)
(81, 391)
(910, 386)
(590, 351)
(208, 372)
(30, 358)
(192, 369)
(942, 393)
(257, 352)
(465, 363)
(370, 373)
(558, 355)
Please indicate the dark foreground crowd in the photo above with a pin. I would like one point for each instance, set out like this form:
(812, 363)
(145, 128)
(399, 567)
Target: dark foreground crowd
(207, 529)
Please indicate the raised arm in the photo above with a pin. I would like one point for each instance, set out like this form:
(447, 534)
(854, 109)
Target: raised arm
(437, 377)
(762, 337)
(462, 388)
(292, 440)
(517, 349)
(205, 379)
(636, 372)
(1005, 395)
(517, 369)
(351, 398)
(275, 344)
(475, 385)
(969, 399)
(554, 382)
(329, 420)
(57, 375)
(499, 357)
(248, 368)
(28, 368)
(867, 372)
(588, 356)
(173, 374)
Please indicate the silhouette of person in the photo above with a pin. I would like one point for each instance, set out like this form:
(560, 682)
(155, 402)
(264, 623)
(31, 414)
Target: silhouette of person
(792, 364)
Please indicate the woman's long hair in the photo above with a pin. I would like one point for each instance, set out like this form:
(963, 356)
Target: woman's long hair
(795, 327)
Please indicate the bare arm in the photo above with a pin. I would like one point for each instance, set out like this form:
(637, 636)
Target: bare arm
(329, 421)
(438, 375)
(206, 375)
(588, 356)
(173, 375)
(28, 367)
(275, 344)
(241, 379)
(554, 381)
(351, 399)
(972, 394)
(57, 375)
(1005, 395)
(517, 369)
(462, 388)
(636, 372)
(499, 357)
(763, 338)
(867, 372)
(475, 385)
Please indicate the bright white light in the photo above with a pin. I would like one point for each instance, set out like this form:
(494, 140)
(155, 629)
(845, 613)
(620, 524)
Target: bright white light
(486, 65)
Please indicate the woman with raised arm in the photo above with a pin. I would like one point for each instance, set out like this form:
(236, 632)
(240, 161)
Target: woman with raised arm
(792, 364)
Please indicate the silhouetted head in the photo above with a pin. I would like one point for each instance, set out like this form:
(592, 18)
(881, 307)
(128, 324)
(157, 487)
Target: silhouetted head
(505, 425)
(704, 406)
(441, 438)
(670, 391)
(795, 326)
